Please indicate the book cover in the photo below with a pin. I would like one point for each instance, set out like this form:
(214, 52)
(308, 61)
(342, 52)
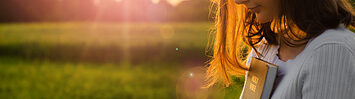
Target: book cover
(260, 79)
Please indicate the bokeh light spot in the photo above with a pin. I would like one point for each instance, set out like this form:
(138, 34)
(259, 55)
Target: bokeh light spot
(191, 74)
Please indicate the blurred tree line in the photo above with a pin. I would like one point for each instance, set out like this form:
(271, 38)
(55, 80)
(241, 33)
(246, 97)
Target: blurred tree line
(102, 10)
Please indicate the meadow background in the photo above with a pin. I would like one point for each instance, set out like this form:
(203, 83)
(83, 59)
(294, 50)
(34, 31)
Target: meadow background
(115, 49)
(121, 49)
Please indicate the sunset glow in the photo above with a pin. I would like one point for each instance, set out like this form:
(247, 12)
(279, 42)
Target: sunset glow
(172, 2)
(175, 2)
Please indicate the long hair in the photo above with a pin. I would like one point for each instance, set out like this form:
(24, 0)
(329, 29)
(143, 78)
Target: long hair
(237, 31)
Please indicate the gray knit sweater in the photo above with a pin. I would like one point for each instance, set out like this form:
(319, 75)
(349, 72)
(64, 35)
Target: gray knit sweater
(325, 69)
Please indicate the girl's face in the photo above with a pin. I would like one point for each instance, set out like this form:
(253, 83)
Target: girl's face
(265, 10)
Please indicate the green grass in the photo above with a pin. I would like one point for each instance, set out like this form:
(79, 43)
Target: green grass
(105, 34)
(104, 42)
(88, 60)
(43, 79)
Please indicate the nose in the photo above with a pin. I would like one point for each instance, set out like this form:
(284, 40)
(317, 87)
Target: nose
(241, 1)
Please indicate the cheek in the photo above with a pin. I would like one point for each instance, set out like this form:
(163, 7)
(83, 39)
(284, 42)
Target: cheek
(264, 16)
(268, 11)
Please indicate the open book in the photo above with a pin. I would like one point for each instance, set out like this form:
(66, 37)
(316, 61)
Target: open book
(260, 80)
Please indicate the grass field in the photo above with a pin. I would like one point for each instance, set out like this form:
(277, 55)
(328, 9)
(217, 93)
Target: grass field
(41, 79)
(106, 60)
(104, 42)
(103, 34)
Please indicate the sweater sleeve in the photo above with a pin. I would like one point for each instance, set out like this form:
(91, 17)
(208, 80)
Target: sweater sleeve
(329, 73)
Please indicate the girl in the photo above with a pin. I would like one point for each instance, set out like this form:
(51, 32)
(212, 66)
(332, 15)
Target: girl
(307, 39)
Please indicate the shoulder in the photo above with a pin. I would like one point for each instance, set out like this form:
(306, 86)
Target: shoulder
(340, 37)
(332, 50)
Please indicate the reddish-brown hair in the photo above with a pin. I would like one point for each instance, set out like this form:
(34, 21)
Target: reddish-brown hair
(237, 31)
